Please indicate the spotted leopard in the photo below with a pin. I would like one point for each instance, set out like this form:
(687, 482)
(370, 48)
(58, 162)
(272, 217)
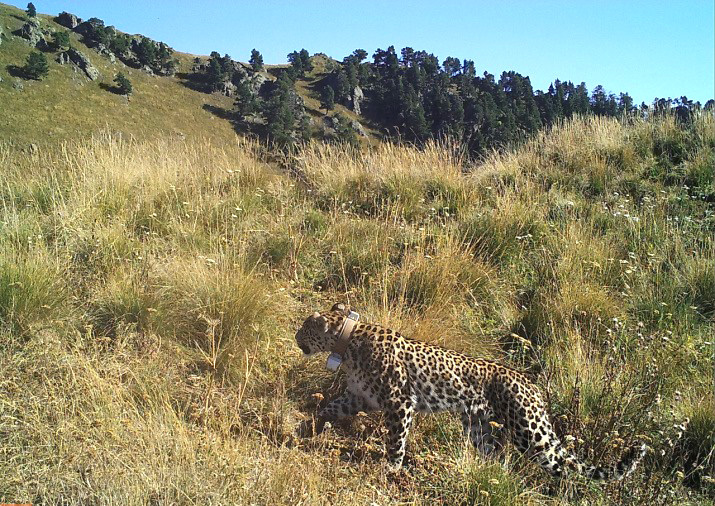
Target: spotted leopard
(388, 372)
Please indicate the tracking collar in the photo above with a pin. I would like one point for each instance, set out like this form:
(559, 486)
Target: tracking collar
(341, 344)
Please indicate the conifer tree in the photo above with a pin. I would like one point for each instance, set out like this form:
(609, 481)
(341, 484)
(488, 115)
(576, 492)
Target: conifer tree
(31, 11)
(256, 60)
(327, 98)
(124, 86)
(146, 51)
(305, 60)
(36, 66)
(61, 40)
(245, 103)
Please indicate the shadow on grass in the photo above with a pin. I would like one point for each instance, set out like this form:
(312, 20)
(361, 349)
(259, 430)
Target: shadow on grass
(193, 81)
(111, 89)
(16, 71)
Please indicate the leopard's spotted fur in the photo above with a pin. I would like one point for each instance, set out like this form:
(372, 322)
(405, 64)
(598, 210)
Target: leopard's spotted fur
(400, 376)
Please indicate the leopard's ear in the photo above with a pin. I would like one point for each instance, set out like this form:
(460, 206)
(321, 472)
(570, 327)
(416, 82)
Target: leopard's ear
(340, 307)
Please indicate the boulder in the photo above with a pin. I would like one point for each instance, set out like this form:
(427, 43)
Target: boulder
(357, 98)
(256, 82)
(43, 45)
(227, 88)
(88, 28)
(331, 122)
(359, 129)
(104, 51)
(18, 85)
(169, 69)
(68, 20)
(198, 67)
(82, 62)
(63, 58)
(239, 71)
(31, 31)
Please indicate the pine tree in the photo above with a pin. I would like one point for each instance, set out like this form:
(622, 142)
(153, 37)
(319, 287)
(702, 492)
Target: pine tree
(245, 103)
(256, 60)
(280, 112)
(124, 86)
(360, 55)
(215, 74)
(146, 51)
(327, 98)
(31, 11)
(296, 64)
(305, 60)
(452, 66)
(344, 132)
(36, 66)
(61, 40)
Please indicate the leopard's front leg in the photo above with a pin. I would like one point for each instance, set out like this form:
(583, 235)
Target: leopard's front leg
(348, 404)
(398, 417)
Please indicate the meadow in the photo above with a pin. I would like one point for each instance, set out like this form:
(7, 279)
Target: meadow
(150, 291)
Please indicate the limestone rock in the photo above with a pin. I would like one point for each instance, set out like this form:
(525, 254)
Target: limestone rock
(227, 88)
(68, 20)
(357, 97)
(88, 28)
(31, 32)
(359, 129)
(256, 82)
(81, 61)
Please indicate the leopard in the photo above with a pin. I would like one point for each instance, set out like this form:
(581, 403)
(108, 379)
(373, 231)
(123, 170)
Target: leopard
(386, 371)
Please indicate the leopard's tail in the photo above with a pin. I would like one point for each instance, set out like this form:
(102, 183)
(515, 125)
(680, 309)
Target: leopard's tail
(561, 460)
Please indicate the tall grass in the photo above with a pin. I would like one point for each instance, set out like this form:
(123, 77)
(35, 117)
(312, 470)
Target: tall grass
(149, 292)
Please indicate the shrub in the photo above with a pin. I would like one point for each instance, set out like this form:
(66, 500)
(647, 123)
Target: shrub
(124, 86)
(36, 66)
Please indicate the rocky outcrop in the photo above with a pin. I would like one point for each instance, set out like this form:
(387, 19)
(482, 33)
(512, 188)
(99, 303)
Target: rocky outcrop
(331, 122)
(357, 98)
(89, 28)
(32, 33)
(63, 58)
(68, 20)
(256, 82)
(81, 60)
(227, 88)
(359, 129)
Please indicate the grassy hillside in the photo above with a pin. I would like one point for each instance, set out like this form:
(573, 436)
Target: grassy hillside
(67, 105)
(150, 290)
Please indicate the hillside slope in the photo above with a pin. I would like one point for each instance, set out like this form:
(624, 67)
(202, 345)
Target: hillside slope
(67, 105)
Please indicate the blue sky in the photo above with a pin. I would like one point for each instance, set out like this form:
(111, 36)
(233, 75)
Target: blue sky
(647, 48)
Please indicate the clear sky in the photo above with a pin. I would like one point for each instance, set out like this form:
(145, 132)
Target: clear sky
(647, 48)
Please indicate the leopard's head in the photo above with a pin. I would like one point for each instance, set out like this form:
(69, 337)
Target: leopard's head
(320, 330)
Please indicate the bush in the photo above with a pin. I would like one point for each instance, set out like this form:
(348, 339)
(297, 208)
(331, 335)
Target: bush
(124, 86)
(36, 66)
(61, 40)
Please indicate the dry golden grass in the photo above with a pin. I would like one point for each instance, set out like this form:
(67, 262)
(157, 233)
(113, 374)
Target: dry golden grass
(149, 292)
